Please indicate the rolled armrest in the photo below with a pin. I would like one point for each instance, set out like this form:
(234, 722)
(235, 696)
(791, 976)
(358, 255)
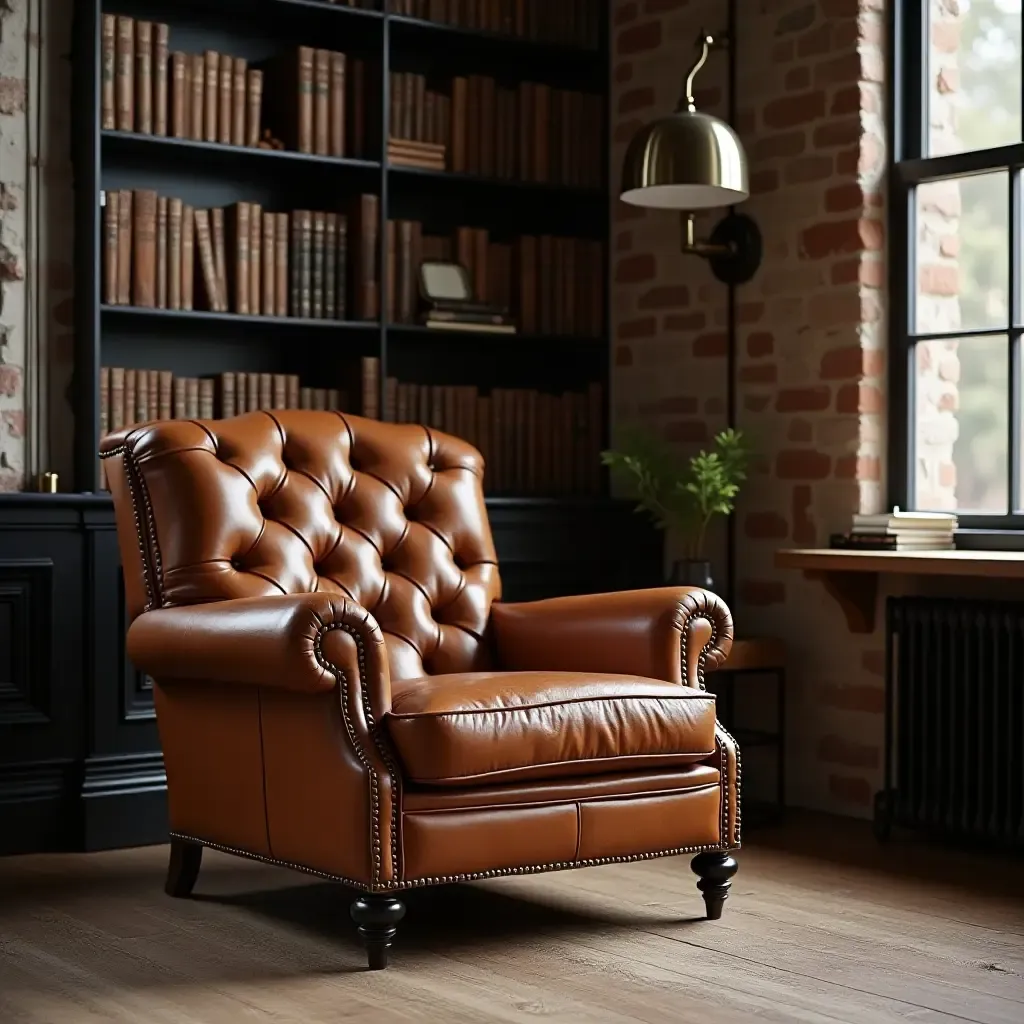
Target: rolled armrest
(672, 633)
(298, 642)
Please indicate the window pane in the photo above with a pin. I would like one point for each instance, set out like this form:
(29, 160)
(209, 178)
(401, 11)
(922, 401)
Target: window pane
(963, 253)
(974, 74)
(961, 460)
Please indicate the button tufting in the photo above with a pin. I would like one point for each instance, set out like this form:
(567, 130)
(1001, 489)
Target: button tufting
(236, 563)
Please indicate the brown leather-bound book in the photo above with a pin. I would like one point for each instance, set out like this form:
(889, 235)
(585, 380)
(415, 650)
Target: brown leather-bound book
(159, 72)
(256, 259)
(337, 104)
(320, 399)
(266, 393)
(408, 86)
(355, 96)
(481, 248)
(239, 100)
(545, 279)
(161, 252)
(570, 321)
(526, 280)
(111, 215)
(319, 230)
(192, 398)
(240, 269)
(188, 256)
(488, 126)
(431, 129)
(197, 99)
(181, 92)
(207, 261)
(206, 391)
(556, 322)
(173, 253)
(330, 266)
(108, 71)
(390, 400)
(116, 398)
(474, 124)
(305, 219)
(124, 74)
(179, 404)
(154, 394)
(341, 269)
(281, 264)
(321, 102)
(254, 108)
(541, 119)
(252, 392)
(459, 117)
(305, 86)
(293, 396)
(220, 260)
(227, 395)
(419, 108)
(269, 261)
(295, 268)
(367, 290)
(104, 401)
(525, 161)
(370, 376)
(465, 253)
(225, 99)
(402, 403)
(211, 95)
(279, 386)
(305, 398)
(165, 395)
(391, 283)
(394, 103)
(125, 231)
(129, 398)
(136, 386)
(407, 268)
(144, 248)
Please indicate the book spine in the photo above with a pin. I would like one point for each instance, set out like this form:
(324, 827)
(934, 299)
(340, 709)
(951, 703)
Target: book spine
(227, 395)
(239, 101)
(144, 248)
(130, 409)
(269, 260)
(181, 88)
(116, 398)
(174, 253)
(281, 259)
(206, 393)
(161, 252)
(337, 104)
(292, 398)
(266, 391)
(318, 265)
(161, 34)
(241, 225)
(321, 102)
(306, 264)
(280, 391)
(111, 215)
(211, 95)
(305, 90)
(295, 269)
(108, 71)
(188, 257)
(196, 102)
(124, 77)
(254, 108)
(252, 392)
(207, 261)
(165, 395)
(225, 112)
(330, 266)
(341, 270)
(370, 378)
(256, 259)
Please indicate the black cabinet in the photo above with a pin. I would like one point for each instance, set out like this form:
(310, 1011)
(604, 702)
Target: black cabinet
(80, 763)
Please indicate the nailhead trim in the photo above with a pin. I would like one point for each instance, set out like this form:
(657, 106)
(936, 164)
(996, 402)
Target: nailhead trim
(739, 778)
(374, 781)
(416, 883)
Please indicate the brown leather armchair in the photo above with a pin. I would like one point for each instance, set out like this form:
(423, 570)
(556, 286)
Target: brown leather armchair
(339, 689)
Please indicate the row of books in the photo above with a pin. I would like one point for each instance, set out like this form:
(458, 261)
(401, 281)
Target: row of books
(570, 22)
(216, 97)
(250, 261)
(900, 531)
(531, 132)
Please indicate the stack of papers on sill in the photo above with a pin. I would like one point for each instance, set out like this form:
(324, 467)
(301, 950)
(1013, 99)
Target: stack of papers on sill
(901, 531)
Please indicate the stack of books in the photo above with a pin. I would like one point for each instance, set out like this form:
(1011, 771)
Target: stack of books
(429, 156)
(900, 531)
(457, 315)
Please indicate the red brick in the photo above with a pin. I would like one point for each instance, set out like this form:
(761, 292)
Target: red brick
(12, 95)
(749, 312)
(642, 327)
(816, 42)
(666, 296)
(846, 271)
(755, 403)
(770, 147)
(763, 373)
(844, 363)
(782, 51)
(760, 343)
(685, 321)
(939, 279)
(14, 423)
(759, 593)
(850, 790)
(10, 379)
(639, 38)
(950, 245)
(838, 70)
(874, 362)
(714, 406)
(804, 530)
(805, 169)
(870, 699)
(662, 6)
(796, 20)
(802, 464)
(798, 78)
(765, 526)
(633, 100)
(814, 399)
(800, 432)
(764, 181)
(686, 430)
(789, 111)
(633, 269)
(846, 100)
(841, 198)
(711, 345)
(623, 72)
(834, 749)
(837, 133)
(839, 236)
(852, 398)
(623, 355)
(678, 405)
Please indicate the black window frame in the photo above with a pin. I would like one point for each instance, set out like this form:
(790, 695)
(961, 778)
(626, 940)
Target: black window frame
(908, 167)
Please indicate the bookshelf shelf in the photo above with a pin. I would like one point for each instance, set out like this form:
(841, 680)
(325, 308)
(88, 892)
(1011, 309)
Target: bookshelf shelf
(531, 242)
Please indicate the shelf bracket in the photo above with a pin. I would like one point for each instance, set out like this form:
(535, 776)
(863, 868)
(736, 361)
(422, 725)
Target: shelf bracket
(856, 594)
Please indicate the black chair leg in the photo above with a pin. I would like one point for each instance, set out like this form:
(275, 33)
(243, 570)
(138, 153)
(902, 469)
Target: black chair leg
(715, 869)
(183, 867)
(376, 916)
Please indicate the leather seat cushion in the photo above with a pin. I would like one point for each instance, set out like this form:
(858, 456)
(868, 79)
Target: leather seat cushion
(480, 728)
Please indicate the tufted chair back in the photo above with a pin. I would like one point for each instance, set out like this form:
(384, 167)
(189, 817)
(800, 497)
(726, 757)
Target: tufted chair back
(288, 502)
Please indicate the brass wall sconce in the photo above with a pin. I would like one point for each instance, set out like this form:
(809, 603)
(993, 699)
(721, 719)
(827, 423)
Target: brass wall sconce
(691, 161)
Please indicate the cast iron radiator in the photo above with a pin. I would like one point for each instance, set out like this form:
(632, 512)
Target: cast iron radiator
(954, 757)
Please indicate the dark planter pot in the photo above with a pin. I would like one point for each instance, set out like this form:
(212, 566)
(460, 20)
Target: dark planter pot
(688, 573)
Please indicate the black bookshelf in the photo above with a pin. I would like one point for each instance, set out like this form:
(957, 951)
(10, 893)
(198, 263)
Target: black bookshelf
(208, 174)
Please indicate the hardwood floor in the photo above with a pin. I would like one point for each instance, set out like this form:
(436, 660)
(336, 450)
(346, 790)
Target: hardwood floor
(822, 925)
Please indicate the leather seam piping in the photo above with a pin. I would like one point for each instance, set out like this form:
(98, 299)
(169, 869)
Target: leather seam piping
(630, 698)
(579, 832)
(579, 801)
(416, 883)
(374, 781)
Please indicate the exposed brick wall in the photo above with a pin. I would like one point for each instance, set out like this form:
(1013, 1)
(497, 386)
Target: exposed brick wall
(810, 369)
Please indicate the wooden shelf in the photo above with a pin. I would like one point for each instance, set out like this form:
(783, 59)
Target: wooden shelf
(452, 179)
(264, 321)
(851, 577)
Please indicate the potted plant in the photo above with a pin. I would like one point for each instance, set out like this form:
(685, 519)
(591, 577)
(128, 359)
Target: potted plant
(683, 496)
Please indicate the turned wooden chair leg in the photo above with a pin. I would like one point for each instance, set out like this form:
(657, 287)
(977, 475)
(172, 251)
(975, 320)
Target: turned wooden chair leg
(183, 868)
(376, 916)
(715, 870)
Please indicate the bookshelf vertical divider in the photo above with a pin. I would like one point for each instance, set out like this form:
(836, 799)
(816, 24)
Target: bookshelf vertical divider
(539, 179)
